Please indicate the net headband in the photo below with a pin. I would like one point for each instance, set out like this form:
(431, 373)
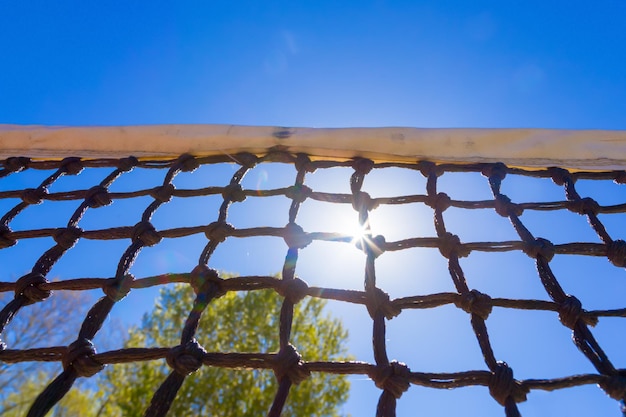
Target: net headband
(526, 148)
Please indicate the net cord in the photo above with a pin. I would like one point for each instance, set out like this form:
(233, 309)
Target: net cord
(524, 148)
(80, 358)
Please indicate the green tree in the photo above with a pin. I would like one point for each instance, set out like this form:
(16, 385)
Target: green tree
(236, 322)
(52, 322)
(81, 400)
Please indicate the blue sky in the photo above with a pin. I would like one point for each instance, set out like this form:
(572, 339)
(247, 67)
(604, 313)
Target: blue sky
(446, 63)
(345, 64)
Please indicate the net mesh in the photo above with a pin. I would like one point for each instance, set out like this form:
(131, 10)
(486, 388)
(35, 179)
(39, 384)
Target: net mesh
(392, 377)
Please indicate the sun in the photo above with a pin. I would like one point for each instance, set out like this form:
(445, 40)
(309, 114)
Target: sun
(357, 231)
(345, 221)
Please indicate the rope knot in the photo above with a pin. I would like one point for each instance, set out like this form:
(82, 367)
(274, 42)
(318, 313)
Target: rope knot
(616, 252)
(496, 172)
(126, 164)
(620, 177)
(293, 290)
(427, 168)
(585, 205)
(185, 359)
(233, 192)
(67, 238)
(440, 202)
(163, 193)
(502, 385)
(505, 208)
(33, 195)
(569, 311)
(188, 163)
(288, 363)
(246, 159)
(559, 175)
(374, 246)
(393, 378)
(303, 163)
(98, 196)
(615, 386)
(450, 245)
(205, 279)
(145, 233)
(28, 287)
(539, 247)
(475, 302)
(72, 165)
(218, 231)
(295, 236)
(362, 201)
(378, 300)
(16, 163)
(118, 288)
(80, 357)
(5, 240)
(362, 166)
(298, 193)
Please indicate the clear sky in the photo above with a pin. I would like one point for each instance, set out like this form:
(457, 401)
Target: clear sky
(322, 63)
(345, 64)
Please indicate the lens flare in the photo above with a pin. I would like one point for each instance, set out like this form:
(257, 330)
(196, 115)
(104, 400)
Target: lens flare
(262, 180)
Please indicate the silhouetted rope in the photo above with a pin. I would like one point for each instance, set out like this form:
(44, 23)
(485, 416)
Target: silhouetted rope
(81, 359)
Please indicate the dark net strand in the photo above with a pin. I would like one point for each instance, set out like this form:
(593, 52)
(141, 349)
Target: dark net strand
(393, 378)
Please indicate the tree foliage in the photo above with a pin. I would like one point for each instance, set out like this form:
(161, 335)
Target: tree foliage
(52, 322)
(236, 322)
(81, 400)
